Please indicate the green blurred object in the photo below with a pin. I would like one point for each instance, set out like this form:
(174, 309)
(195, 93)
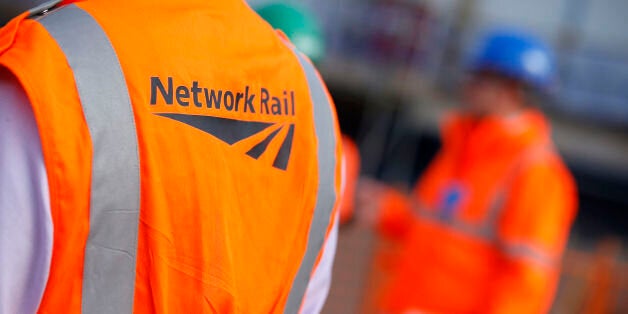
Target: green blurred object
(300, 25)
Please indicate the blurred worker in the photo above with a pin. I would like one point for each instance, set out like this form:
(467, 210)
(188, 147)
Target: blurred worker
(170, 156)
(303, 30)
(487, 224)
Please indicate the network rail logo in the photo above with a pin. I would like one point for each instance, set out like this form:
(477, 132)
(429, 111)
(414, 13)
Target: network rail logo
(230, 131)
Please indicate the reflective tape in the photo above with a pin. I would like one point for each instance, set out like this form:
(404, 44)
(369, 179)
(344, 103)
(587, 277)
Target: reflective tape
(110, 252)
(484, 230)
(487, 231)
(529, 253)
(326, 195)
(487, 228)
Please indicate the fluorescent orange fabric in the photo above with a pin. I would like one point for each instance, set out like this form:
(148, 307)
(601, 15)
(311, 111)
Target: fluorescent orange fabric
(220, 232)
(350, 174)
(446, 266)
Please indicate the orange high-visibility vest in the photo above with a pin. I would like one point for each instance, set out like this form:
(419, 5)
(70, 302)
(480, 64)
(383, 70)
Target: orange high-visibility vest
(488, 222)
(192, 156)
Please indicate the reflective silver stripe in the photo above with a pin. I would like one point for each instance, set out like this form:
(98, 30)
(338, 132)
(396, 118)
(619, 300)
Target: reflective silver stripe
(495, 211)
(479, 231)
(109, 266)
(487, 231)
(487, 228)
(326, 198)
(529, 253)
(498, 203)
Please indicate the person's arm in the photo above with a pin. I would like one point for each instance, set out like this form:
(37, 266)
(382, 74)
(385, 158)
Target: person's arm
(25, 220)
(396, 214)
(397, 210)
(533, 235)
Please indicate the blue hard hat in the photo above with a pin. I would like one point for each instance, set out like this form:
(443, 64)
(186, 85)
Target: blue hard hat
(518, 56)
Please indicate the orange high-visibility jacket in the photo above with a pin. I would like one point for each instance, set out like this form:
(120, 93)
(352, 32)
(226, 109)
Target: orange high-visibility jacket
(488, 222)
(192, 156)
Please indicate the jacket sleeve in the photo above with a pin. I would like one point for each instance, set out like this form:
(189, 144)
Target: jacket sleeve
(397, 210)
(532, 237)
(395, 214)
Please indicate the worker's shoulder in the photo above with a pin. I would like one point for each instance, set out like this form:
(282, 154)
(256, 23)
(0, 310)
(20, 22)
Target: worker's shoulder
(19, 31)
(24, 26)
(544, 165)
(8, 32)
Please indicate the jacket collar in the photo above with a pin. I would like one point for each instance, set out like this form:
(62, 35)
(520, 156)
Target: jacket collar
(495, 135)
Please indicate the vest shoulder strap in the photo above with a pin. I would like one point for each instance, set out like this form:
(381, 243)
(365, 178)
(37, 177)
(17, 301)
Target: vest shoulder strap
(110, 252)
(326, 197)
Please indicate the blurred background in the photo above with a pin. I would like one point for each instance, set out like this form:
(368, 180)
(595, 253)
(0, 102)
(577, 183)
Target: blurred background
(394, 67)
